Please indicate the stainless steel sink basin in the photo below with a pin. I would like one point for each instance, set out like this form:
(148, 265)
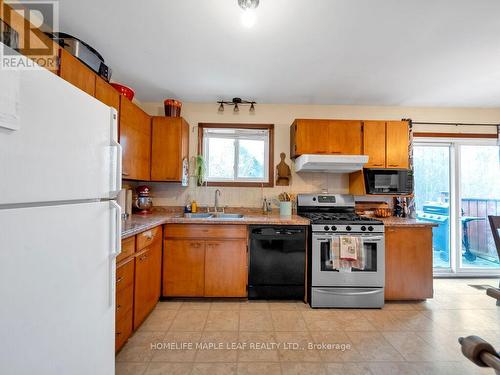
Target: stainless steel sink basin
(213, 216)
(227, 216)
(198, 215)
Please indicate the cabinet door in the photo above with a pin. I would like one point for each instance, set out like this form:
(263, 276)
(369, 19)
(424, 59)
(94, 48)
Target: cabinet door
(374, 143)
(408, 263)
(73, 71)
(311, 137)
(105, 93)
(344, 137)
(226, 268)
(397, 144)
(170, 142)
(147, 282)
(183, 268)
(135, 138)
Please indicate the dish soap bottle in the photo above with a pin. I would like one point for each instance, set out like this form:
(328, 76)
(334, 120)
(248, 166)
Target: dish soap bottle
(194, 207)
(264, 206)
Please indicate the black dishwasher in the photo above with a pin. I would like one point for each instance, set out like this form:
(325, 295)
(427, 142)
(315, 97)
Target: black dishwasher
(277, 262)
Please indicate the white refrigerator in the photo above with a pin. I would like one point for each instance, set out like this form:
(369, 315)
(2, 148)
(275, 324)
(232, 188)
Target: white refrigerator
(60, 171)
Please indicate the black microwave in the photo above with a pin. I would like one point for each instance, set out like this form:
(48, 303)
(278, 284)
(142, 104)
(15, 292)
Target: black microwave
(388, 181)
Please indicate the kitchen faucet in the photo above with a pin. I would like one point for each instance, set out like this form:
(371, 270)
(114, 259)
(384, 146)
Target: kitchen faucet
(216, 201)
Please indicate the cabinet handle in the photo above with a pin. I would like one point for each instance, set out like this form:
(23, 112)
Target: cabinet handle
(119, 280)
(144, 257)
(118, 307)
(336, 152)
(378, 165)
(125, 174)
(149, 235)
(393, 165)
(195, 244)
(118, 333)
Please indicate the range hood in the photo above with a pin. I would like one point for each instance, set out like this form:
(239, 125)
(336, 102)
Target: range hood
(330, 163)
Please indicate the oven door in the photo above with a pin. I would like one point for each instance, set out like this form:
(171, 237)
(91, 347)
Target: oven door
(325, 273)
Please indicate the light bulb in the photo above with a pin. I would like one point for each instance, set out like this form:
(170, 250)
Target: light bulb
(248, 18)
(236, 108)
(252, 108)
(221, 107)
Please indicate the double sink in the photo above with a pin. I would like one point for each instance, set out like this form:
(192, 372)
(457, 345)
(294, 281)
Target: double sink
(213, 216)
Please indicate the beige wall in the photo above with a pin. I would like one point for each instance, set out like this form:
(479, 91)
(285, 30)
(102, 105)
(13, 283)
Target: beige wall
(282, 116)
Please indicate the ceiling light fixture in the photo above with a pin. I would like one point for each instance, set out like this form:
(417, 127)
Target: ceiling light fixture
(237, 102)
(248, 18)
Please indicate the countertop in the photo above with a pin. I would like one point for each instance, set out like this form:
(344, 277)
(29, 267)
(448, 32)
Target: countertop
(140, 223)
(173, 215)
(393, 221)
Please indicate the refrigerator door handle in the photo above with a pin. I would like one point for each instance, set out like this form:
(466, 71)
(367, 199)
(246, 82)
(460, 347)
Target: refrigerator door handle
(116, 247)
(117, 178)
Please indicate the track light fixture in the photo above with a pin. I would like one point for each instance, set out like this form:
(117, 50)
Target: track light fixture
(237, 102)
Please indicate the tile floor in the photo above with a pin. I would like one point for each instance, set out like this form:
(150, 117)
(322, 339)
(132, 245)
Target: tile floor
(402, 338)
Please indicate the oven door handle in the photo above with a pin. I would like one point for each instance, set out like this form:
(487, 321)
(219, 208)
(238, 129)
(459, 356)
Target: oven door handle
(329, 291)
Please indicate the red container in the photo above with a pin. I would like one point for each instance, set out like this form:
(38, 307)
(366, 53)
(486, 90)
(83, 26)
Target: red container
(124, 90)
(172, 108)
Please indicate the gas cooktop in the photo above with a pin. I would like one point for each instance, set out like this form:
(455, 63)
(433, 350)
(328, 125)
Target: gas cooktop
(339, 218)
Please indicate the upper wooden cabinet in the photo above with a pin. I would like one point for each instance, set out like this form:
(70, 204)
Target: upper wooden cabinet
(106, 93)
(386, 143)
(374, 143)
(76, 73)
(397, 142)
(135, 138)
(170, 149)
(325, 137)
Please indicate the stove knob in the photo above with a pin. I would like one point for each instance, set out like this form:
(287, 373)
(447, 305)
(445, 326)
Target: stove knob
(348, 228)
(370, 228)
(363, 228)
(326, 227)
(334, 227)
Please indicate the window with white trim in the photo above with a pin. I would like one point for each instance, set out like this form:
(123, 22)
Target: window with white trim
(237, 156)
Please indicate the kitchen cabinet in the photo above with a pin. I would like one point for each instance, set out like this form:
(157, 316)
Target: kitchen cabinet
(76, 73)
(225, 268)
(170, 148)
(106, 93)
(138, 282)
(183, 268)
(330, 137)
(135, 138)
(408, 263)
(205, 260)
(397, 144)
(147, 280)
(124, 302)
(374, 145)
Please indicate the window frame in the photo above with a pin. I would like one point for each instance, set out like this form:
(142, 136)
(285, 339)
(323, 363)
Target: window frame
(270, 168)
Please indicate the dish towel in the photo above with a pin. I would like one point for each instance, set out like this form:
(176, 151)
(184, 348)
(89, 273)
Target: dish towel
(360, 263)
(335, 252)
(349, 248)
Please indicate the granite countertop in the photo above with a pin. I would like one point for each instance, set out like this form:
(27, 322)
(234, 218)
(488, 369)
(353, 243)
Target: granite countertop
(140, 223)
(393, 221)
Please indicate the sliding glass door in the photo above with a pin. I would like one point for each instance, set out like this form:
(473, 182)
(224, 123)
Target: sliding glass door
(457, 185)
(479, 196)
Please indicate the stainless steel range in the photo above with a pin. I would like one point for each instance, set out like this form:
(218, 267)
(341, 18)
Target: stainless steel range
(337, 277)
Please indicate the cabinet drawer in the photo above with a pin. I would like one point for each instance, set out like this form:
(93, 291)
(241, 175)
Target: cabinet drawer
(128, 249)
(205, 231)
(124, 301)
(146, 238)
(123, 330)
(124, 275)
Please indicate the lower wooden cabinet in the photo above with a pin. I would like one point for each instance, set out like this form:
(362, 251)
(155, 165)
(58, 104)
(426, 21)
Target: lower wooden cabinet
(408, 263)
(147, 281)
(226, 268)
(183, 268)
(138, 282)
(197, 264)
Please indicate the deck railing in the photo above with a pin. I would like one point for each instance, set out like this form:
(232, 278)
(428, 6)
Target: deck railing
(481, 240)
